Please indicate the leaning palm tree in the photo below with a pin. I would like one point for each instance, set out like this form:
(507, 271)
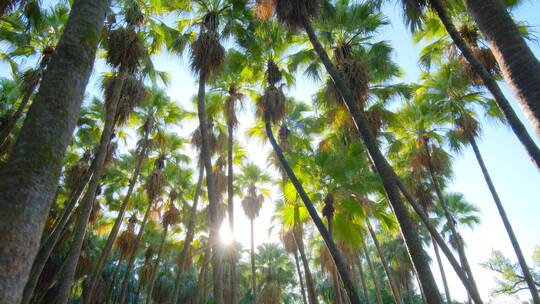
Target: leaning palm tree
(36, 161)
(297, 14)
(272, 107)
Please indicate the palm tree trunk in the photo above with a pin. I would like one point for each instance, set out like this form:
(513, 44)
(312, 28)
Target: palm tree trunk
(189, 234)
(391, 282)
(507, 225)
(110, 292)
(490, 83)
(334, 251)
(253, 270)
(213, 203)
(521, 69)
(66, 281)
(230, 194)
(116, 227)
(450, 219)
(438, 238)
(300, 279)
(334, 275)
(156, 265)
(386, 173)
(50, 243)
(29, 179)
(374, 277)
(124, 289)
(312, 295)
(8, 127)
(443, 274)
(200, 294)
(363, 279)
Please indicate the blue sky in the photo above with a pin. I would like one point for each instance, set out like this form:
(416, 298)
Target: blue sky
(515, 177)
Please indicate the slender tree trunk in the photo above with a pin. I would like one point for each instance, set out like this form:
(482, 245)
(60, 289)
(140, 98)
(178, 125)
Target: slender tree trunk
(334, 251)
(110, 292)
(443, 274)
(230, 194)
(386, 173)
(490, 83)
(214, 220)
(116, 227)
(124, 289)
(334, 275)
(189, 234)
(440, 241)
(391, 282)
(312, 295)
(300, 279)
(507, 225)
(520, 68)
(29, 179)
(156, 266)
(374, 277)
(12, 121)
(363, 279)
(50, 243)
(200, 294)
(253, 269)
(450, 219)
(66, 281)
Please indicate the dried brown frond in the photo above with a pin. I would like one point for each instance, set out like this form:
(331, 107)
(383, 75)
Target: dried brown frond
(273, 73)
(467, 127)
(328, 209)
(230, 113)
(283, 136)
(145, 274)
(220, 178)
(126, 243)
(124, 49)
(171, 216)
(274, 102)
(76, 174)
(470, 34)
(289, 243)
(84, 264)
(270, 292)
(264, 9)
(155, 182)
(374, 118)
(111, 152)
(95, 214)
(207, 54)
(133, 95)
(294, 13)
(326, 260)
(488, 60)
(252, 206)
(342, 52)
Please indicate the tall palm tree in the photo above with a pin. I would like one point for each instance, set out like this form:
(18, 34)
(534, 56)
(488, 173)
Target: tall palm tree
(253, 178)
(520, 68)
(289, 243)
(207, 57)
(29, 179)
(297, 14)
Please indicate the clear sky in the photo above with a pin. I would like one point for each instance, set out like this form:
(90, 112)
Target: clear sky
(515, 177)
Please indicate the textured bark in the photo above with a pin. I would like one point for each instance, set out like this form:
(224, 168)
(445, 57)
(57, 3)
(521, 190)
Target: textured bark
(334, 251)
(116, 227)
(451, 222)
(300, 279)
(386, 173)
(520, 68)
(253, 269)
(230, 198)
(443, 274)
(200, 293)
(29, 179)
(374, 277)
(68, 273)
(189, 234)
(334, 275)
(213, 203)
(391, 282)
(50, 243)
(507, 225)
(490, 83)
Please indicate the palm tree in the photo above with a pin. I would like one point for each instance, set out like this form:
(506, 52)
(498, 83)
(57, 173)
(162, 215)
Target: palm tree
(29, 178)
(253, 178)
(207, 57)
(521, 69)
(297, 14)
(289, 243)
